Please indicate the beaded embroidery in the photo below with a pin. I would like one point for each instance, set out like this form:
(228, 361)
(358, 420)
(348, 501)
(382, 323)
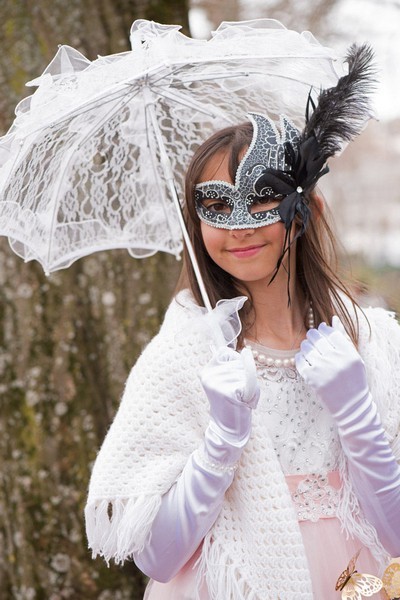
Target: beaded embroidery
(315, 498)
(217, 467)
(278, 373)
(304, 436)
(279, 368)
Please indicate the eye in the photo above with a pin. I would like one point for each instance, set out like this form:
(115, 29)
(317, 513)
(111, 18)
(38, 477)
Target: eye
(265, 203)
(217, 206)
(268, 200)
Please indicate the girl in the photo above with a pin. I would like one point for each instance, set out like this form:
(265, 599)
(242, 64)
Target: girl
(258, 472)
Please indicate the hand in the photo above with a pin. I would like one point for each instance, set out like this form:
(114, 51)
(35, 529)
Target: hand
(230, 382)
(331, 365)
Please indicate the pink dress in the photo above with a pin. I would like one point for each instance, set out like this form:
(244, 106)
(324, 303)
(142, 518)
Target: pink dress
(304, 436)
(327, 549)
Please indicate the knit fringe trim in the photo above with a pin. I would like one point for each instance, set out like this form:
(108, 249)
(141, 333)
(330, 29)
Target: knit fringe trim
(223, 578)
(354, 522)
(117, 529)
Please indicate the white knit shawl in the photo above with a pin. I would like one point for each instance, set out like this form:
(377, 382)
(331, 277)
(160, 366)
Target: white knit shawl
(254, 551)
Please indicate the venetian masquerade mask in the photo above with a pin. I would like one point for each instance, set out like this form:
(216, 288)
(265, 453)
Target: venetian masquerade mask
(247, 204)
(282, 168)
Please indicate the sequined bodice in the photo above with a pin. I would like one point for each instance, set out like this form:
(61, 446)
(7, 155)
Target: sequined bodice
(304, 435)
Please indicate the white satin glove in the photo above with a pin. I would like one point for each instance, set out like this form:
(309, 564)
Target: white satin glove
(331, 365)
(189, 509)
(230, 383)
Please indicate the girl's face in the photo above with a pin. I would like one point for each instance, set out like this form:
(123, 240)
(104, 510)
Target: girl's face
(247, 254)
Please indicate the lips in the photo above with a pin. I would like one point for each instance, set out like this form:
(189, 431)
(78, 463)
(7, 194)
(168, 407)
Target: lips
(246, 251)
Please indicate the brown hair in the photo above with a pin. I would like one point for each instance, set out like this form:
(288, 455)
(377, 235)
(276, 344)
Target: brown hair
(316, 252)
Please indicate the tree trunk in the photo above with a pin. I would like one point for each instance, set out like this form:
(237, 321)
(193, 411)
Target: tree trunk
(67, 342)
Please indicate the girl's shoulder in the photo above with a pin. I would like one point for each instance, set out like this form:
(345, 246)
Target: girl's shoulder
(379, 346)
(190, 331)
(180, 334)
(183, 305)
(182, 310)
(379, 328)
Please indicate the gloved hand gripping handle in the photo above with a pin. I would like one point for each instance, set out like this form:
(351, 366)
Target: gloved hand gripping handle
(190, 508)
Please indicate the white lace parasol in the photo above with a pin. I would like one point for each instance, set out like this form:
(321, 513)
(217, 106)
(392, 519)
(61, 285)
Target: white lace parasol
(96, 157)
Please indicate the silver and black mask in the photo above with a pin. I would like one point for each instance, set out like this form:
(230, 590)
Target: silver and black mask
(284, 168)
(247, 203)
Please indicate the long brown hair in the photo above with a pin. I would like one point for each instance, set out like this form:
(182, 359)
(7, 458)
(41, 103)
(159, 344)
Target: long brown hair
(316, 250)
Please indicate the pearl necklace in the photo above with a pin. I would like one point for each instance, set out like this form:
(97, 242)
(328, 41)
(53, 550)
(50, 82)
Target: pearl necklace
(263, 360)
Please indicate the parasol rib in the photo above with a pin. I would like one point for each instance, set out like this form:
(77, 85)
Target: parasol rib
(166, 164)
(175, 96)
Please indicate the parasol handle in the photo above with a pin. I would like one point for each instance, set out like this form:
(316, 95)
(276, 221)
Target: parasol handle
(166, 165)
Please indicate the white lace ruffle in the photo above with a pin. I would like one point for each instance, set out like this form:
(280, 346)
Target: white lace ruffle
(221, 326)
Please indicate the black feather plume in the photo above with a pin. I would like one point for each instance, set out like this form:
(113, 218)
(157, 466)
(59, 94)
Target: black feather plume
(338, 116)
(342, 111)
